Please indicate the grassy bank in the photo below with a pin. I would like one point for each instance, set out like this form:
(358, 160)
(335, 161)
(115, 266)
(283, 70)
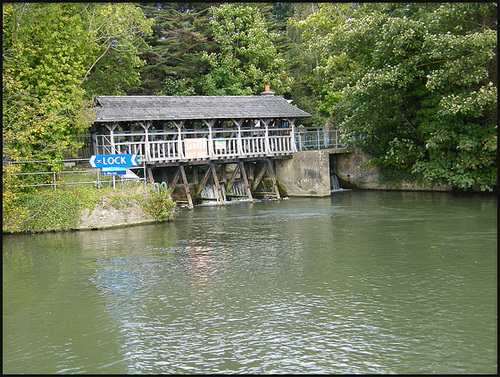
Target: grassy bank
(52, 210)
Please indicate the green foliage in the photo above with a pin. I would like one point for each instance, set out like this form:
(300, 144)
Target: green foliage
(246, 58)
(116, 38)
(13, 215)
(414, 84)
(56, 56)
(51, 210)
(159, 204)
(173, 59)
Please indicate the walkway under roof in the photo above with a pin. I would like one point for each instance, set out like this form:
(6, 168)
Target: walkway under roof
(144, 108)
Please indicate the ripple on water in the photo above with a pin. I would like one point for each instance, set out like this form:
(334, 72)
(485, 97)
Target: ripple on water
(342, 285)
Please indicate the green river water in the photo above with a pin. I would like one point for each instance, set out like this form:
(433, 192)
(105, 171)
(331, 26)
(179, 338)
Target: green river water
(359, 282)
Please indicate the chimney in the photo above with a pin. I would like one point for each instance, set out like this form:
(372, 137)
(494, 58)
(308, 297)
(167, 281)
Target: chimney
(267, 91)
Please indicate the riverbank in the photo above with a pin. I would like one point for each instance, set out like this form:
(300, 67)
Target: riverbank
(87, 208)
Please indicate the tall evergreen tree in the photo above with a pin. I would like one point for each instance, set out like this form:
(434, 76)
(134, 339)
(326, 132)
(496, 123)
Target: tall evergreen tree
(173, 61)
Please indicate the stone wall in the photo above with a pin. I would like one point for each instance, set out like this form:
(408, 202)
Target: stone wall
(352, 173)
(306, 174)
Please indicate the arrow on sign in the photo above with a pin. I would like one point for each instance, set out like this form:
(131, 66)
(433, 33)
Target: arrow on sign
(112, 160)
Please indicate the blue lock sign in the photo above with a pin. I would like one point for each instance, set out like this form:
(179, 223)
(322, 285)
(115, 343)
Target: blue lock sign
(113, 160)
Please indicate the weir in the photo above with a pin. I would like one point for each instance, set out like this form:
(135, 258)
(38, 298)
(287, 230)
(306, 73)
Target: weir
(176, 138)
(218, 181)
(236, 192)
(334, 183)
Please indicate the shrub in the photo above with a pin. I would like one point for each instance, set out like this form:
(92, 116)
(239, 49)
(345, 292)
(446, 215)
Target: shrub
(159, 203)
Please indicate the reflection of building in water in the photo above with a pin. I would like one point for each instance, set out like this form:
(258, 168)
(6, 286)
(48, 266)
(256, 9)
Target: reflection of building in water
(202, 270)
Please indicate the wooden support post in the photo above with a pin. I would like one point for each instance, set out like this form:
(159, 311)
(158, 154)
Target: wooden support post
(179, 138)
(150, 176)
(186, 187)
(267, 141)
(247, 185)
(251, 175)
(259, 176)
(203, 181)
(292, 134)
(223, 172)
(273, 177)
(164, 177)
(174, 181)
(216, 181)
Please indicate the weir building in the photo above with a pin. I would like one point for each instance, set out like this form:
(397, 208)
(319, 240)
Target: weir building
(170, 134)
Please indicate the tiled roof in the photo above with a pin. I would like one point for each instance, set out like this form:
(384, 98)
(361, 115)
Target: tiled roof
(135, 108)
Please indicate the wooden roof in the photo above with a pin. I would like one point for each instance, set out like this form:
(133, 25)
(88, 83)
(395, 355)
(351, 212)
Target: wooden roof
(137, 108)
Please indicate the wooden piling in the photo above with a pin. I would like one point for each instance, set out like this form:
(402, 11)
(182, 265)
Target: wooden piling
(245, 180)
(186, 187)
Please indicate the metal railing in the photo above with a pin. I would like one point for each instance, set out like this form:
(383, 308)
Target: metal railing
(173, 146)
(56, 178)
(317, 139)
(176, 145)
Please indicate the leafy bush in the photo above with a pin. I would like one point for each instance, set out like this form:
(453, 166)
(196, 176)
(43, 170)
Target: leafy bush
(159, 203)
(52, 210)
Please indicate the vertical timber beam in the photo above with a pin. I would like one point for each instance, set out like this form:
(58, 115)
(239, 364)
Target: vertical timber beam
(209, 124)
(291, 121)
(147, 149)
(217, 185)
(251, 174)
(270, 167)
(238, 123)
(195, 174)
(150, 176)
(111, 129)
(164, 176)
(245, 180)
(223, 172)
(230, 183)
(186, 186)
(267, 142)
(179, 139)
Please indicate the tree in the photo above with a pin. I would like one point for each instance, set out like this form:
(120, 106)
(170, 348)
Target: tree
(414, 84)
(173, 61)
(56, 56)
(301, 60)
(116, 34)
(247, 57)
(43, 103)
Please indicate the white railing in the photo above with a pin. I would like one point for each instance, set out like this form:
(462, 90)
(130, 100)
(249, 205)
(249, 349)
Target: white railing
(175, 145)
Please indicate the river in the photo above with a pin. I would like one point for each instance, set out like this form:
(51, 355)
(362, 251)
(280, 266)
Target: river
(359, 282)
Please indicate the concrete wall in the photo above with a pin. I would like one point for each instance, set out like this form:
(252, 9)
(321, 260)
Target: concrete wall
(306, 174)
